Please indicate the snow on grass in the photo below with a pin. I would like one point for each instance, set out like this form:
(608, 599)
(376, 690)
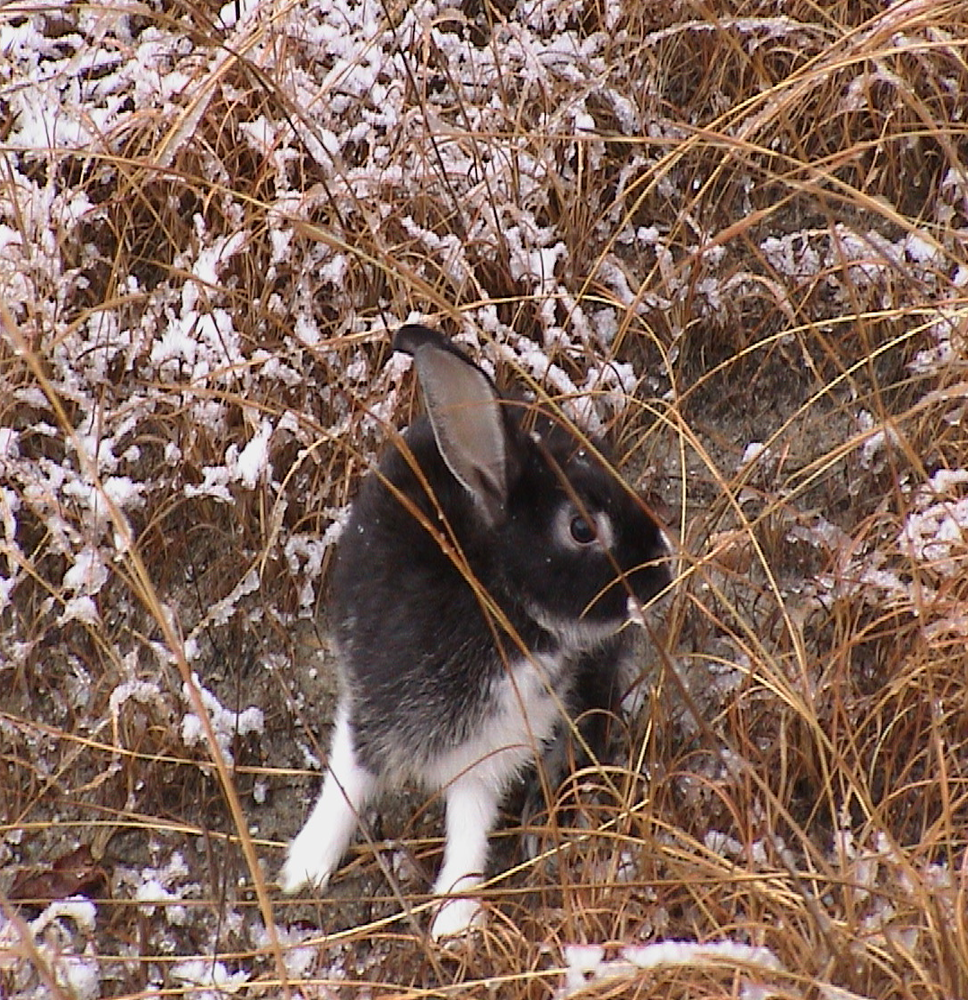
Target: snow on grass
(586, 964)
(54, 936)
(164, 888)
(935, 531)
(207, 979)
(300, 954)
(227, 724)
(252, 463)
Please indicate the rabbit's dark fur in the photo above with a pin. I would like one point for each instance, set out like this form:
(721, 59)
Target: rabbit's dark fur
(454, 684)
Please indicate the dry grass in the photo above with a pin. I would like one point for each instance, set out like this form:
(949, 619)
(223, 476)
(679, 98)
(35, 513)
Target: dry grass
(721, 226)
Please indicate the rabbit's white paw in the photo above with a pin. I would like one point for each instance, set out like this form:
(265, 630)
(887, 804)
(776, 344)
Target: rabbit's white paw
(305, 865)
(315, 853)
(457, 917)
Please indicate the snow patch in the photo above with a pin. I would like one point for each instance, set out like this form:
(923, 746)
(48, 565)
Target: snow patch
(586, 964)
(226, 724)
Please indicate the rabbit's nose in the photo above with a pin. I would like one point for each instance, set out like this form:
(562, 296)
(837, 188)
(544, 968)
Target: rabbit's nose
(674, 562)
(633, 608)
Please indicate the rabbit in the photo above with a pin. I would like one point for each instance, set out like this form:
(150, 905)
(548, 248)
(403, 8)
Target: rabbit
(480, 587)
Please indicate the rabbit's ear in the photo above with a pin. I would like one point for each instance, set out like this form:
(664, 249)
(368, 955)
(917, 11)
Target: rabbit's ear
(465, 415)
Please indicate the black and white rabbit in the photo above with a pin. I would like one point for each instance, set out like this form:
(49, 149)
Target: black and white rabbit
(479, 589)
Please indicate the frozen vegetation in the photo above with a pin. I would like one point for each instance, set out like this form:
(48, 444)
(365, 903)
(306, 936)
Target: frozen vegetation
(735, 243)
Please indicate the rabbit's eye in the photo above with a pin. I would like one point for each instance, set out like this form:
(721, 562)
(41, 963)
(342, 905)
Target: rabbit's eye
(576, 530)
(581, 530)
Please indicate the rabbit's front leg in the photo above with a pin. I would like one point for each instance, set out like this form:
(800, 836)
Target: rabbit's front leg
(348, 786)
(472, 810)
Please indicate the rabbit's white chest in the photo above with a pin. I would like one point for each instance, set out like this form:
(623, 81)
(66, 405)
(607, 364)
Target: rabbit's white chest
(524, 710)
